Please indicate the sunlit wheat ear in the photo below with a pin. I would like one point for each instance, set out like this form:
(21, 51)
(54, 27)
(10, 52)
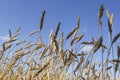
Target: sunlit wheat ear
(71, 33)
(33, 32)
(108, 14)
(116, 37)
(42, 20)
(111, 19)
(79, 37)
(57, 30)
(97, 45)
(100, 14)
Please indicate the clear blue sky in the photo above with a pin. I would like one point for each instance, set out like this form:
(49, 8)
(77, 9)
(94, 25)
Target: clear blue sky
(26, 14)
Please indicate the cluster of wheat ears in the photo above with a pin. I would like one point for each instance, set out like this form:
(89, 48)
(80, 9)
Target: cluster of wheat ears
(27, 60)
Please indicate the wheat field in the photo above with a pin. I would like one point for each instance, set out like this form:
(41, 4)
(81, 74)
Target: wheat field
(21, 59)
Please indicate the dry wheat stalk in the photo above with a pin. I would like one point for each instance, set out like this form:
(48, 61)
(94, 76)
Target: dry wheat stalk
(79, 37)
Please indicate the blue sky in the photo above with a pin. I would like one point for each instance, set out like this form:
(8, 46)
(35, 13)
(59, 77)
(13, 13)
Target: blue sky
(26, 14)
